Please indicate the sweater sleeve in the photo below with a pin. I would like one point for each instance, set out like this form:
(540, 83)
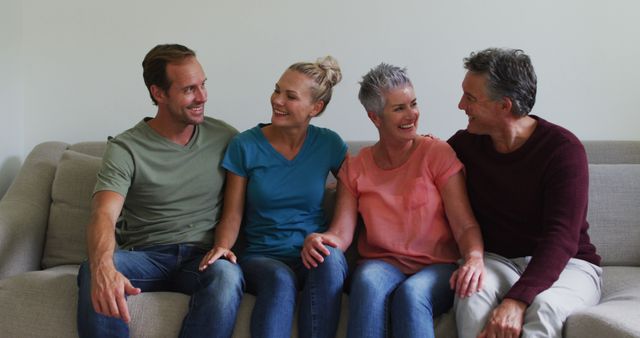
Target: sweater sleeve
(564, 214)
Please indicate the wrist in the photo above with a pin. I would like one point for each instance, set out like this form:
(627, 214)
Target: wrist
(478, 255)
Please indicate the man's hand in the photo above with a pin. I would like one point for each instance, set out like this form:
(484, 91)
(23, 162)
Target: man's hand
(108, 289)
(469, 278)
(314, 250)
(506, 320)
(215, 254)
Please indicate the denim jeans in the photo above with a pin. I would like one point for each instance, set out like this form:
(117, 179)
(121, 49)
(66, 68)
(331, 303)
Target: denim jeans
(215, 293)
(276, 283)
(382, 297)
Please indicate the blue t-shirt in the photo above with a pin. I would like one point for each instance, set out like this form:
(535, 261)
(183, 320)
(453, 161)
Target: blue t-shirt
(284, 198)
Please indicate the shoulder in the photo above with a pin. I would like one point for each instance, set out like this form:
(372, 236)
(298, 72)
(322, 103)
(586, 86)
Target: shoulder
(558, 141)
(326, 139)
(324, 133)
(128, 139)
(461, 140)
(218, 126)
(434, 144)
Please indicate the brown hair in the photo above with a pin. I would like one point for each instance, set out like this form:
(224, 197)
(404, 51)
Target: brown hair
(154, 65)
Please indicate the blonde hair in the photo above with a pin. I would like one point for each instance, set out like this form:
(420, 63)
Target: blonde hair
(325, 72)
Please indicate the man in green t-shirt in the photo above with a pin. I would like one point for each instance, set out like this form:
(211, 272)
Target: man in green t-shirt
(163, 179)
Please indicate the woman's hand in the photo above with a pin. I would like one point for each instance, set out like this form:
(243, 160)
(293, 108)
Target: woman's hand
(468, 278)
(314, 250)
(215, 254)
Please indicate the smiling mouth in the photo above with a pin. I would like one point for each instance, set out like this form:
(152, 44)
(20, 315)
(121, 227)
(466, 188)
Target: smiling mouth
(197, 109)
(279, 113)
(407, 126)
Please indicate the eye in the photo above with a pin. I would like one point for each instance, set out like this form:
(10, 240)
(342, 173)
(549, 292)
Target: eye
(292, 97)
(189, 90)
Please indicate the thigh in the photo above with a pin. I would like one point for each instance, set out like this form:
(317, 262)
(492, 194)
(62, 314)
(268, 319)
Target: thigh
(376, 277)
(222, 273)
(147, 270)
(432, 284)
(577, 286)
(268, 274)
(500, 275)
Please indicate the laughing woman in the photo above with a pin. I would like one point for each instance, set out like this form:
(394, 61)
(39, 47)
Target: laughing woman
(411, 194)
(276, 176)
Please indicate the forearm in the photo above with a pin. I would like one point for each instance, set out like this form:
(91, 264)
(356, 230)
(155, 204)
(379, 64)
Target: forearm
(227, 233)
(470, 243)
(101, 242)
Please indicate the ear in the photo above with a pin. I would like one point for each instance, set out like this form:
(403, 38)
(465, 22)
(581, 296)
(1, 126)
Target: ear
(158, 93)
(317, 108)
(506, 104)
(374, 118)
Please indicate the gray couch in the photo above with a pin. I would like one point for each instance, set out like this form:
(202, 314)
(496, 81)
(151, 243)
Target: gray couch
(42, 241)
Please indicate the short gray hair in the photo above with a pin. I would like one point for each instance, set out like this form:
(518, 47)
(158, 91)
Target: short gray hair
(509, 74)
(377, 82)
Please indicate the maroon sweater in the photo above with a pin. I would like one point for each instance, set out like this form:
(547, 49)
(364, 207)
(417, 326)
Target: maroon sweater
(530, 202)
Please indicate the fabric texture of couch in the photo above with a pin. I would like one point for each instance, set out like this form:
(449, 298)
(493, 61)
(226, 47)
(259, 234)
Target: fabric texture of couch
(42, 241)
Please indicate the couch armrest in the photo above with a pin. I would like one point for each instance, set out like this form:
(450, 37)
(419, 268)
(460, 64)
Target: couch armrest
(24, 210)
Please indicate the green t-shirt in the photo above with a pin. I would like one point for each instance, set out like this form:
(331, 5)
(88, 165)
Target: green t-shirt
(173, 193)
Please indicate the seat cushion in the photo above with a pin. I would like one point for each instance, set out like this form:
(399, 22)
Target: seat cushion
(618, 314)
(39, 303)
(70, 209)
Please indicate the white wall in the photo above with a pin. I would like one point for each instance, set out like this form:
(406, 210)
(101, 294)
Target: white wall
(82, 74)
(11, 93)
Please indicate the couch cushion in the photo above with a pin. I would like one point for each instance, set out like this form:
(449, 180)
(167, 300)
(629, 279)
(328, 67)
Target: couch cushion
(39, 303)
(614, 212)
(618, 312)
(70, 209)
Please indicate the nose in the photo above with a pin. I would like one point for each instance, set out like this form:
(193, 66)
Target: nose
(276, 99)
(461, 104)
(201, 94)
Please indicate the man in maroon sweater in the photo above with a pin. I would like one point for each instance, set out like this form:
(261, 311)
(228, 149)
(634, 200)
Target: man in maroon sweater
(527, 181)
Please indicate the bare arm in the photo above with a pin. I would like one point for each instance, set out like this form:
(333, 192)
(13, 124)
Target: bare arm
(469, 277)
(229, 227)
(108, 286)
(340, 233)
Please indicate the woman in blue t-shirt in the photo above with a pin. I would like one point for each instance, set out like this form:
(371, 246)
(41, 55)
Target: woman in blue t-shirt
(276, 176)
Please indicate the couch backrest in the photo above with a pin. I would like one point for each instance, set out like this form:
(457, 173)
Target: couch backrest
(70, 209)
(614, 209)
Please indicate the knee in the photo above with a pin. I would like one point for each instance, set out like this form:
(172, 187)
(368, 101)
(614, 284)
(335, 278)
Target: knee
(543, 307)
(279, 281)
(334, 265)
(223, 274)
(410, 295)
(368, 281)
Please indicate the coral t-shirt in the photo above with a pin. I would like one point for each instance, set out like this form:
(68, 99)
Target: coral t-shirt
(402, 209)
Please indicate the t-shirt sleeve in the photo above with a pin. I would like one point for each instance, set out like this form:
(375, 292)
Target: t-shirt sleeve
(348, 175)
(234, 157)
(443, 163)
(116, 173)
(338, 152)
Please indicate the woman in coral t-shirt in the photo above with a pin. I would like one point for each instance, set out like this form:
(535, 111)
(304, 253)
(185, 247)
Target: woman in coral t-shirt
(410, 191)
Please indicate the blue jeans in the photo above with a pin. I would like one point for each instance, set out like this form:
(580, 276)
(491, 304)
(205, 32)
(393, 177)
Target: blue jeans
(276, 283)
(215, 293)
(383, 296)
